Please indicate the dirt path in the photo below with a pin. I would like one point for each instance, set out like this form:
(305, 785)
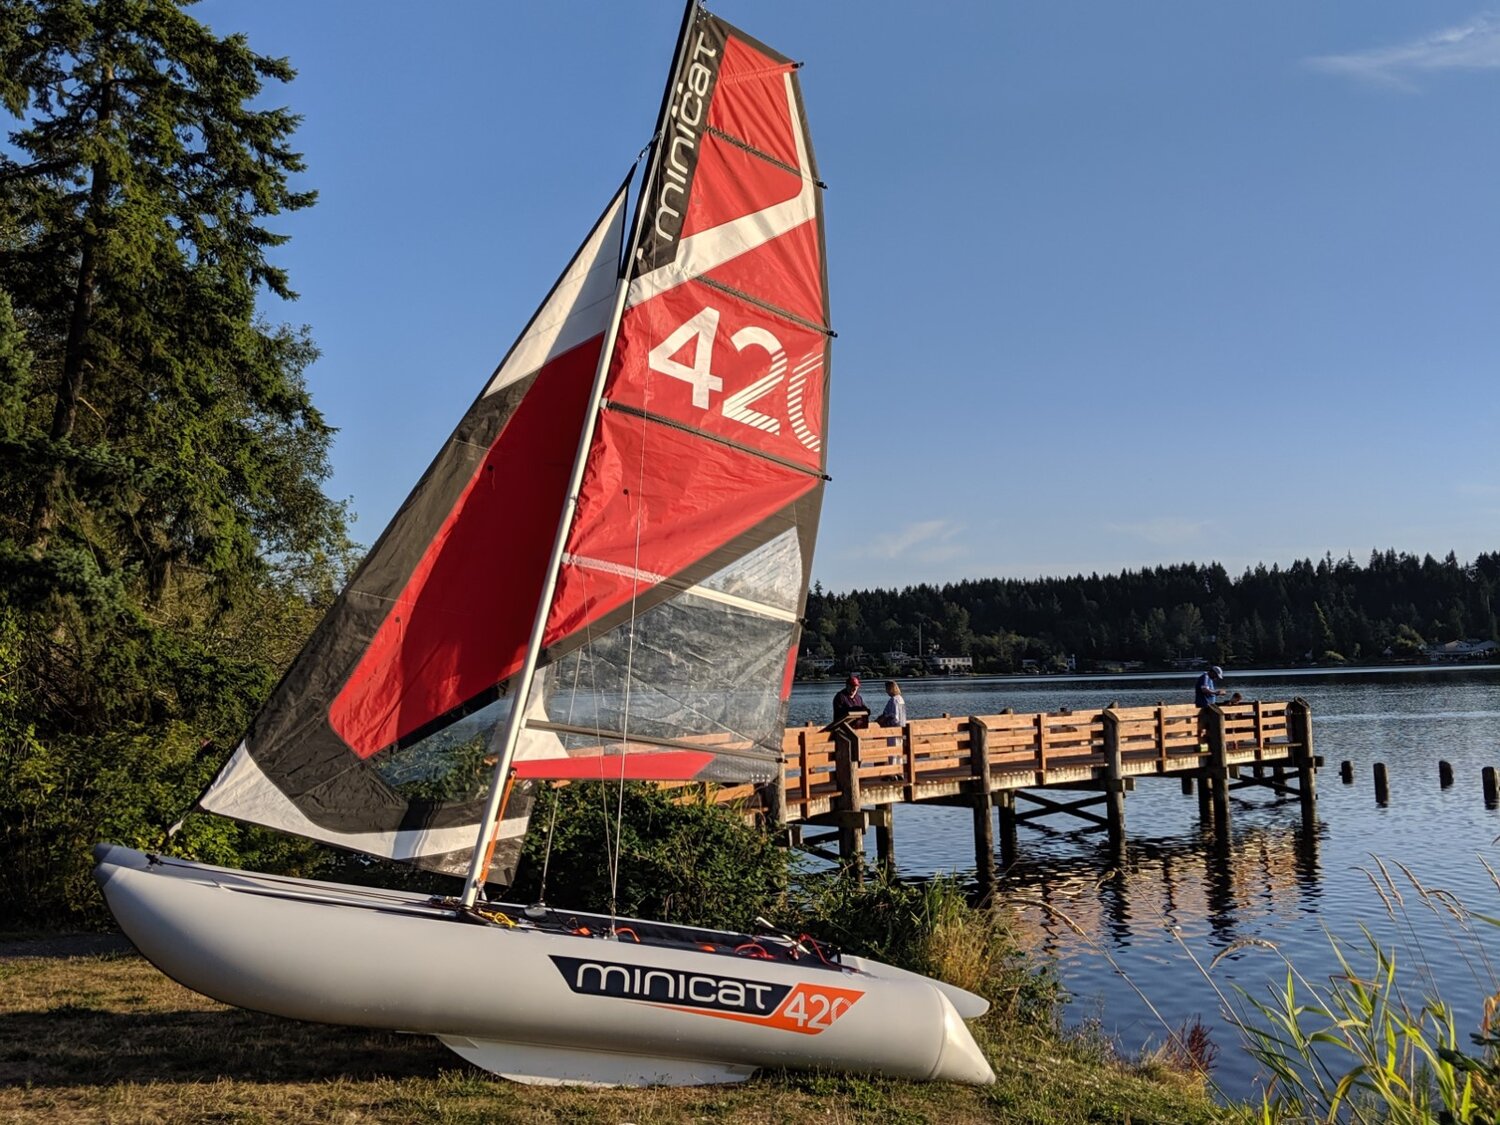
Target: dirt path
(63, 945)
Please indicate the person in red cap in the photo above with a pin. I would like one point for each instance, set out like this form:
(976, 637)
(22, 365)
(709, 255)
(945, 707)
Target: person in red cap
(850, 700)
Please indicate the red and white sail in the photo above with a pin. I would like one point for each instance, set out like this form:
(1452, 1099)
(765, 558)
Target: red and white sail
(670, 638)
(676, 618)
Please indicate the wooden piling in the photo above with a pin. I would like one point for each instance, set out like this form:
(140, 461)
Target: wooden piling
(884, 819)
(1187, 785)
(1114, 784)
(773, 798)
(1382, 784)
(1005, 801)
(984, 825)
(1491, 788)
(1445, 774)
(1299, 730)
(1346, 772)
(1218, 769)
(847, 805)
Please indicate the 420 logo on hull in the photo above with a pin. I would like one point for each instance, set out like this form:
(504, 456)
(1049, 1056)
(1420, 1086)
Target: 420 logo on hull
(805, 1008)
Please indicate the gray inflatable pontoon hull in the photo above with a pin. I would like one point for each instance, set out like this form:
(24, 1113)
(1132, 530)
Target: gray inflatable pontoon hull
(529, 1003)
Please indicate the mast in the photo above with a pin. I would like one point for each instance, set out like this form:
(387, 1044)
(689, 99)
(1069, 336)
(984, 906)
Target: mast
(479, 864)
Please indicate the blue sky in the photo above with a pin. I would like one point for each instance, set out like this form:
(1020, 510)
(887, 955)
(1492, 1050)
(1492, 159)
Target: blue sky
(1115, 284)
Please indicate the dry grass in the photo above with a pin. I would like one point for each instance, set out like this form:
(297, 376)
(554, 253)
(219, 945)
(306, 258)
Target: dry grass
(92, 1033)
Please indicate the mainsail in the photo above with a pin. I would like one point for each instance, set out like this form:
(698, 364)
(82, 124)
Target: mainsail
(671, 633)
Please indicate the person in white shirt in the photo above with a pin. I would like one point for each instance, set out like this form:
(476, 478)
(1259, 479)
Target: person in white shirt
(894, 714)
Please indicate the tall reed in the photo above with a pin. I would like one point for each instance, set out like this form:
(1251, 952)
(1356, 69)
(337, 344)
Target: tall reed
(1376, 1042)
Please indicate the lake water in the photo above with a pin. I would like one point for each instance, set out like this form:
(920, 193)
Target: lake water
(1175, 899)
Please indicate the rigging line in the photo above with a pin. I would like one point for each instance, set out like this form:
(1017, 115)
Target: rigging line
(635, 589)
(541, 891)
(597, 730)
(541, 895)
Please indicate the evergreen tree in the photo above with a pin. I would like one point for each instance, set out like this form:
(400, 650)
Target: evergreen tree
(164, 536)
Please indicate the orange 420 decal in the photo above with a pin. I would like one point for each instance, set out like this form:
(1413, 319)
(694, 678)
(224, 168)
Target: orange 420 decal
(803, 1007)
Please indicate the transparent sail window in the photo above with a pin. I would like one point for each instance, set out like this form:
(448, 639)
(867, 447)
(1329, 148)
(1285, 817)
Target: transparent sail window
(771, 574)
(450, 765)
(689, 670)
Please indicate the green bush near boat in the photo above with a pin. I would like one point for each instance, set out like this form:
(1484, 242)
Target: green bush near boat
(678, 861)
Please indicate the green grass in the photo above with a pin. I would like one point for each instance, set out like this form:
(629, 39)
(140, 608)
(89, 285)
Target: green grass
(104, 1037)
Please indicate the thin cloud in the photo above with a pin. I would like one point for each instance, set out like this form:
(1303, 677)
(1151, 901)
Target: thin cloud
(1163, 531)
(1471, 46)
(927, 541)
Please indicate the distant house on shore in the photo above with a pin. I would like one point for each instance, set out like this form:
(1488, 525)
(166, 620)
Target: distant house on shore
(1463, 650)
(948, 665)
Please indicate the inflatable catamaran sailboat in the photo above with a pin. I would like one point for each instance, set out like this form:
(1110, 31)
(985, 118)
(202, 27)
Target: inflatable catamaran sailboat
(600, 576)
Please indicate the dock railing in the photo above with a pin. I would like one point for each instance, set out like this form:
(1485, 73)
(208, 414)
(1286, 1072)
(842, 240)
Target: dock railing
(932, 759)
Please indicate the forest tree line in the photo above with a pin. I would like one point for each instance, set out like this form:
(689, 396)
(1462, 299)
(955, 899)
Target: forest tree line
(1331, 611)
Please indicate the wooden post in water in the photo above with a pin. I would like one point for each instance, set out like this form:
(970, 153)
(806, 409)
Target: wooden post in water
(1382, 784)
(1114, 783)
(885, 835)
(1187, 785)
(1299, 728)
(984, 825)
(1445, 774)
(1218, 769)
(1346, 772)
(1005, 801)
(850, 820)
(1491, 788)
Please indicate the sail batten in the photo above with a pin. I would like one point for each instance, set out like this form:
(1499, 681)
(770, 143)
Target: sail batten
(751, 451)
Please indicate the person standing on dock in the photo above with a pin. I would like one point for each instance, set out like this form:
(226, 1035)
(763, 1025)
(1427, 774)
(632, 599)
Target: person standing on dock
(849, 701)
(894, 714)
(1208, 689)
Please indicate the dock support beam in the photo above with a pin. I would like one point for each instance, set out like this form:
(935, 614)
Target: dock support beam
(1114, 785)
(984, 825)
(1005, 802)
(1299, 728)
(850, 820)
(884, 819)
(773, 800)
(1218, 768)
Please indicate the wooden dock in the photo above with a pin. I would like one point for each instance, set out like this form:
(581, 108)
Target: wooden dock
(1017, 767)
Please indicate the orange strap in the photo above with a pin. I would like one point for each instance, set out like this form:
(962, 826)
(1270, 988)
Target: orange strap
(489, 851)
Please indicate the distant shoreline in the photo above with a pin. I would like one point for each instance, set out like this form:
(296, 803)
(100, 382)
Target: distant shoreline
(1231, 674)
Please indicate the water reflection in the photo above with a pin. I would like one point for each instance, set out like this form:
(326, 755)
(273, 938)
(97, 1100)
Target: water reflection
(1190, 884)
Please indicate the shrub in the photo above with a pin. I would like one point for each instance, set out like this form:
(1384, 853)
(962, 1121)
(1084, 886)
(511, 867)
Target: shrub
(679, 860)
